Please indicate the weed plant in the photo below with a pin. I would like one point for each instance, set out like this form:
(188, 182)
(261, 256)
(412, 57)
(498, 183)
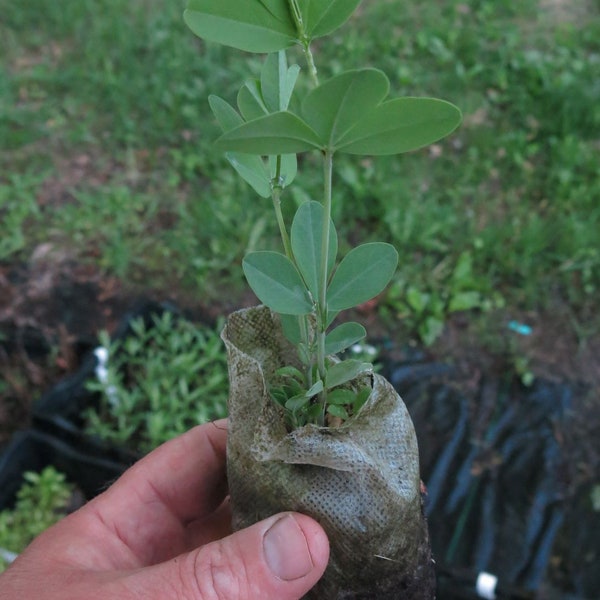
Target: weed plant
(517, 189)
(161, 380)
(41, 501)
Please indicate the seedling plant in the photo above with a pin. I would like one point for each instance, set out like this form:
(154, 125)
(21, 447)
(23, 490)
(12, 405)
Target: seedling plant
(41, 501)
(158, 381)
(272, 123)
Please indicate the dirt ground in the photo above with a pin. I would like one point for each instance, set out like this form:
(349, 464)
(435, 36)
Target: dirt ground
(52, 308)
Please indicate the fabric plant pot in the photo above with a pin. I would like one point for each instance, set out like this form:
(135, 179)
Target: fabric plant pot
(360, 480)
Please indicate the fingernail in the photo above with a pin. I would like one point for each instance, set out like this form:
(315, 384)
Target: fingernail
(286, 550)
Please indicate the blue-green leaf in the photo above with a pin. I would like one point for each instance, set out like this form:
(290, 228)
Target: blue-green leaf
(336, 410)
(306, 235)
(291, 328)
(250, 100)
(250, 167)
(278, 133)
(337, 105)
(315, 389)
(341, 396)
(401, 125)
(277, 283)
(347, 370)
(297, 402)
(362, 274)
(344, 336)
(289, 168)
(288, 86)
(227, 117)
(277, 81)
(321, 17)
(265, 25)
(250, 25)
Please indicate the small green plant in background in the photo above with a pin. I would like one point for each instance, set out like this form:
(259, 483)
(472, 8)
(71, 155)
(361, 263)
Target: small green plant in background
(18, 207)
(158, 382)
(452, 289)
(41, 501)
(273, 121)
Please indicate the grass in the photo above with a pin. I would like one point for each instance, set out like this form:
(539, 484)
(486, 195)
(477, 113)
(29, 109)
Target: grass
(123, 84)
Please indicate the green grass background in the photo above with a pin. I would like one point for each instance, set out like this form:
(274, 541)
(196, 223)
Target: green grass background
(105, 139)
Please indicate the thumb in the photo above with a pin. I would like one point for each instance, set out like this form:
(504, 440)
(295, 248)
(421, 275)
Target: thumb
(279, 558)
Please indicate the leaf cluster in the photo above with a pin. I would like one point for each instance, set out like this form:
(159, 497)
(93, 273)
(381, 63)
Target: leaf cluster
(160, 381)
(41, 501)
(300, 400)
(349, 113)
(265, 26)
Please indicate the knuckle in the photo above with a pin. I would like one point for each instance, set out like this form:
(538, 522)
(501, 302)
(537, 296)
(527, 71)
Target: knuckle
(216, 575)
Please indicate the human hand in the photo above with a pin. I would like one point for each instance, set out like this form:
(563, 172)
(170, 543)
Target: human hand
(162, 532)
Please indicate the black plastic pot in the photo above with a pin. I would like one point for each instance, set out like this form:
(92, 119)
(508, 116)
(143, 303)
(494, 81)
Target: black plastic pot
(499, 497)
(60, 411)
(32, 450)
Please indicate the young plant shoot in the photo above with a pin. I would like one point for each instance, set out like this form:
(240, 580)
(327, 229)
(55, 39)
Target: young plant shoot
(349, 113)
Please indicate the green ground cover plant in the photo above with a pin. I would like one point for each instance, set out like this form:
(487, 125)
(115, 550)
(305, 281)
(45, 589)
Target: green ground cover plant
(523, 202)
(41, 501)
(158, 382)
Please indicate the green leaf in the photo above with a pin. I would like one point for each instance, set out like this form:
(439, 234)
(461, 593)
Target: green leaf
(297, 402)
(277, 82)
(264, 25)
(464, 301)
(362, 274)
(250, 101)
(343, 336)
(306, 235)
(321, 17)
(431, 329)
(278, 8)
(338, 411)
(291, 328)
(250, 25)
(401, 125)
(361, 398)
(250, 167)
(340, 396)
(347, 370)
(289, 168)
(462, 275)
(227, 117)
(277, 133)
(416, 299)
(292, 372)
(252, 170)
(288, 86)
(277, 283)
(337, 105)
(316, 388)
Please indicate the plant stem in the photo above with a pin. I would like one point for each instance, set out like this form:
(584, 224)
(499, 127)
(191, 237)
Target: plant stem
(312, 68)
(287, 246)
(276, 197)
(322, 317)
(304, 40)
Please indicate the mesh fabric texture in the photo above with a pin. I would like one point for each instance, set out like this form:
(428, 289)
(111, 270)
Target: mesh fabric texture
(360, 480)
